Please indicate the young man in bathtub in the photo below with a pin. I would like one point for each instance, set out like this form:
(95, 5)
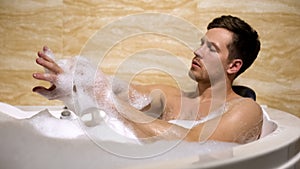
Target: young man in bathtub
(228, 48)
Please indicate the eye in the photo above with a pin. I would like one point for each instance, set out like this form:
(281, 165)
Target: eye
(211, 47)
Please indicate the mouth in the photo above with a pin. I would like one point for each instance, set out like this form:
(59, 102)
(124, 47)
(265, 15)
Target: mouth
(195, 63)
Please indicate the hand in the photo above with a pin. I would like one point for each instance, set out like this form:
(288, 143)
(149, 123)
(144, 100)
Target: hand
(44, 59)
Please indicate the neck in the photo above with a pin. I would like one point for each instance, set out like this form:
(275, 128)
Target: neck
(218, 90)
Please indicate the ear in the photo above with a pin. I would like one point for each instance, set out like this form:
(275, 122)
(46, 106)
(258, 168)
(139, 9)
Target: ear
(234, 66)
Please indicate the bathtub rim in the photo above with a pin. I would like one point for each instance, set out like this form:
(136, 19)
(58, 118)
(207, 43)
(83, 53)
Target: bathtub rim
(250, 151)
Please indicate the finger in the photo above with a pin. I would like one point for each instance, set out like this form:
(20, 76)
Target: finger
(45, 76)
(47, 51)
(52, 66)
(44, 56)
(44, 91)
(45, 48)
(41, 88)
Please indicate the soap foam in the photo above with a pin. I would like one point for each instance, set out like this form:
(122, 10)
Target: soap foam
(84, 89)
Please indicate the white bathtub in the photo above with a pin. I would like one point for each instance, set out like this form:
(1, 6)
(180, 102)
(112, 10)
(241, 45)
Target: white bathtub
(38, 138)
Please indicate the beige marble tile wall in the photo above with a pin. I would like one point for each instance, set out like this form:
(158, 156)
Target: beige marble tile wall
(66, 26)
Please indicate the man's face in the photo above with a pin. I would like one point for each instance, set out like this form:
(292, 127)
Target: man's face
(210, 61)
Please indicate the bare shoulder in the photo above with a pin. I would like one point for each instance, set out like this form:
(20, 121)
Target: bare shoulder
(245, 106)
(242, 122)
(244, 110)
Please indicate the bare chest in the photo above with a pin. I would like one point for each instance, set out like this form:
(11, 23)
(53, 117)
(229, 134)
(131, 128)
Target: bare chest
(184, 108)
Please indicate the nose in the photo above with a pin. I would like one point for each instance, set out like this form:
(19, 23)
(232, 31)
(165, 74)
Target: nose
(197, 53)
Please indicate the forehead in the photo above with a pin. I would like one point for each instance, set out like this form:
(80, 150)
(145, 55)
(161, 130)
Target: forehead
(220, 36)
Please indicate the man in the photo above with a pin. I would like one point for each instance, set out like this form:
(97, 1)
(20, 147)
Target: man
(228, 48)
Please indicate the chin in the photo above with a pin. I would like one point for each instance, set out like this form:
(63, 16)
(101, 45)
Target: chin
(192, 75)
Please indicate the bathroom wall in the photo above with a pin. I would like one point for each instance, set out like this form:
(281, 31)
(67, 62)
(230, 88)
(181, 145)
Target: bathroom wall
(67, 26)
